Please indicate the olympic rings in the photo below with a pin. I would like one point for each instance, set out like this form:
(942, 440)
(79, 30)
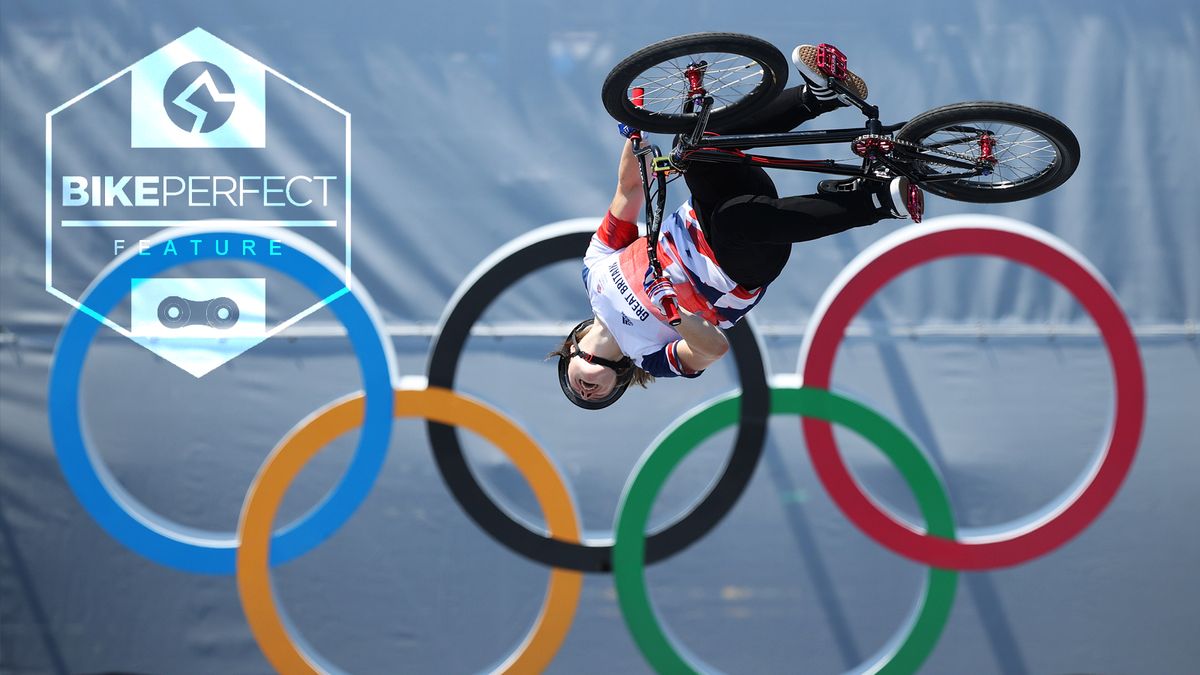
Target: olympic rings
(673, 447)
(131, 522)
(978, 235)
(940, 548)
(537, 249)
(535, 652)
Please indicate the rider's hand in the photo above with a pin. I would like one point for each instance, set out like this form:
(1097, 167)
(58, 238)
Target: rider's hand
(659, 290)
(628, 131)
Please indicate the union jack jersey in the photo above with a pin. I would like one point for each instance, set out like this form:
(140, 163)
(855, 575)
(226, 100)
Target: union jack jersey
(615, 267)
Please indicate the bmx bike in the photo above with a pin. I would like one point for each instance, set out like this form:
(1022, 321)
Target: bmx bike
(984, 152)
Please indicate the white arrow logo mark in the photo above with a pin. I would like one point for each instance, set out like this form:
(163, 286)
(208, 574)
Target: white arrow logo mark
(204, 80)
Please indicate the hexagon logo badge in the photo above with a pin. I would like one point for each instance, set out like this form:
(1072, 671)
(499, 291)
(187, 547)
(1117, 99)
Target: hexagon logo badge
(198, 136)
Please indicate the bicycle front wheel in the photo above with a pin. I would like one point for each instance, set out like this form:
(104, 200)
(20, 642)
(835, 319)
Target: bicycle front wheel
(650, 90)
(1030, 152)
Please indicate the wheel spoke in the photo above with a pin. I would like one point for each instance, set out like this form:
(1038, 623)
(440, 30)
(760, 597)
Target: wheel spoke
(728, 79)
(1022, 155)
(735, 83)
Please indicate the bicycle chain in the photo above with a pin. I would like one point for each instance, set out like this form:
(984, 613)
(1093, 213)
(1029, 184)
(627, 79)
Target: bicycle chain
(914, 146)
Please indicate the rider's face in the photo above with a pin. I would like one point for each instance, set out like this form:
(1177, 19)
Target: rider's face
(591, 381)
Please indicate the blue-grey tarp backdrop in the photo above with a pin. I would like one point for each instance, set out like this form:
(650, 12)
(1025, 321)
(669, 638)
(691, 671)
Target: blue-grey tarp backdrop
(475, 122)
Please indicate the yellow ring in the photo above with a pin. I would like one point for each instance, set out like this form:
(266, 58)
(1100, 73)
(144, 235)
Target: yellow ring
(286, 461)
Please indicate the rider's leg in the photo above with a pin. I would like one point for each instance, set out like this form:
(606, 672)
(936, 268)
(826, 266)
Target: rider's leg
(750, 228)
(787, 111)
(753, 261)
(759, 218)
(752, 235)
(751, 264)
(712, 184)
(797, 105)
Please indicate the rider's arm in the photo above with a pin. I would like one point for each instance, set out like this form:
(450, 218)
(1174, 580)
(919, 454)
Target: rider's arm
(628, 200)
(702, 344)
(682, 358)
(619, 228)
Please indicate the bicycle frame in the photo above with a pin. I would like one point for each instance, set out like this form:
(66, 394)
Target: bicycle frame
(697, 147)
(728, 149)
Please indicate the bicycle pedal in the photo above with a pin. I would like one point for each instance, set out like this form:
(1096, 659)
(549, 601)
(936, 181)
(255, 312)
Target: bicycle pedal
(831, 62)
(662, 164)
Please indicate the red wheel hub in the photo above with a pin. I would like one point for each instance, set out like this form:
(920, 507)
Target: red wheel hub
(986, 144)
(695, 78)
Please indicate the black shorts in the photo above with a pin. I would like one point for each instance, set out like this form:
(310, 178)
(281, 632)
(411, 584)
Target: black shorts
(749, 227)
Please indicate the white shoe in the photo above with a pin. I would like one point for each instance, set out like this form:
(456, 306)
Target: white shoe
(805, 58)
(901, 199)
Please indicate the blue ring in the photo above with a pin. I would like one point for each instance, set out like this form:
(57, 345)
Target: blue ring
(179, 548)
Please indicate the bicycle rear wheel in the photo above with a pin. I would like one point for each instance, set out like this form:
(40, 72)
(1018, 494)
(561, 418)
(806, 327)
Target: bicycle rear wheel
(1032, 152)
(742, 73)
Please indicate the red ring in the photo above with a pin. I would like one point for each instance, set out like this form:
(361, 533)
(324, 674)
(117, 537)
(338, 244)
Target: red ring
(1070, 517)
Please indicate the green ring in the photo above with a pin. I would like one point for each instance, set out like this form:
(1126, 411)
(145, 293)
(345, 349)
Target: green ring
(656, 465)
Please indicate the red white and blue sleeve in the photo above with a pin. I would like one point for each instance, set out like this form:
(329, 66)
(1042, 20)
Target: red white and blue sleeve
(666, 362)
(613, 235)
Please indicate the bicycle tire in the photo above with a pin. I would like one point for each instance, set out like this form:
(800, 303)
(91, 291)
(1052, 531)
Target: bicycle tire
(996, 188)
(616, 89)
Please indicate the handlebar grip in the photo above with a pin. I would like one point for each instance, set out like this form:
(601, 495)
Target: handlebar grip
(671, 310)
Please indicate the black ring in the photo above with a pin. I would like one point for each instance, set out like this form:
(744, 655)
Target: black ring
(472, 298)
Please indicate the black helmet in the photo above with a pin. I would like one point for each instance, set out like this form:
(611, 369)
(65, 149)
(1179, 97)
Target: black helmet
(623, 368)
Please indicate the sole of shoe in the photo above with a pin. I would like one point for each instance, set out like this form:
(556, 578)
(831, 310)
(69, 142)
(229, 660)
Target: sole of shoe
(807, 54)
